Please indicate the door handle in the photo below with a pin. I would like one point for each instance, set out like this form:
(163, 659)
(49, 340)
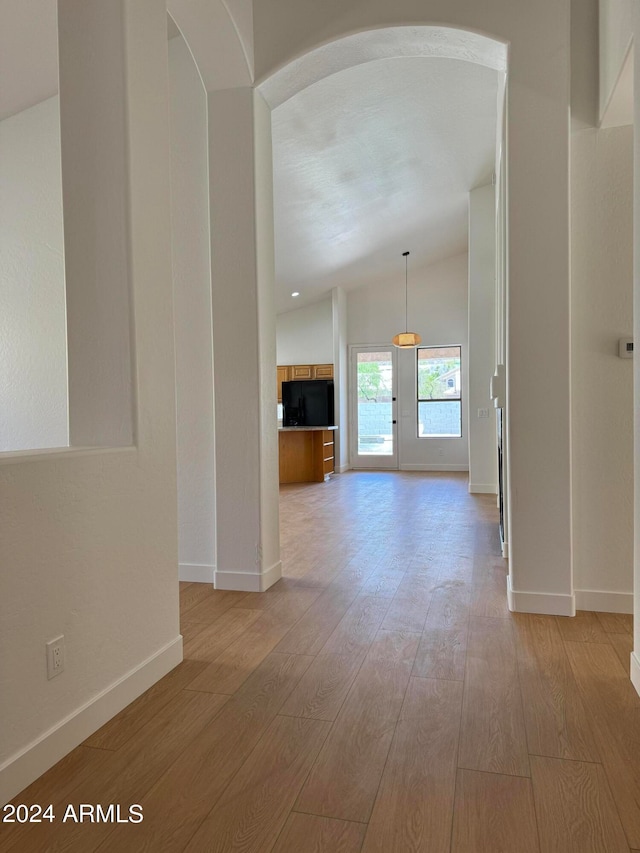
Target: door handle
(394, 422)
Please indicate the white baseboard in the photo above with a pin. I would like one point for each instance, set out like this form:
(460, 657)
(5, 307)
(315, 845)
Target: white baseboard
(635, 672)
(444, 466)
(25, 766)
(196, 573)
(343, 468)
(553, 604)
(248, 581)
(483, 489)
(604, 602)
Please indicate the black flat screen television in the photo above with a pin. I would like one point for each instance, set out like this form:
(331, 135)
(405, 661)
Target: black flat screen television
(308, 402)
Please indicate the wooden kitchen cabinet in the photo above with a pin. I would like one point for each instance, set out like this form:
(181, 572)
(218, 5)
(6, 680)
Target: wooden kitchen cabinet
(302, 371)
(306, 454)
(283, 375)
(322, 371)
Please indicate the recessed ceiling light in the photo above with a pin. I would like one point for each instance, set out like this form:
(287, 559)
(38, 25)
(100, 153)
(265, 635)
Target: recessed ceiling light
(295, 293)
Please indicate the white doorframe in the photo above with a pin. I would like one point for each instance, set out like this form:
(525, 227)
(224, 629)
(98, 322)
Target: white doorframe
(387, 439)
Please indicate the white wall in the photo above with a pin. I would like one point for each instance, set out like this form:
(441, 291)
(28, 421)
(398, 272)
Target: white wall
(305, 336)
(192, 309)
(341, 377)
(90, 536)
(584, 64)
(602, 383)
(483, 456)
(438, 297)
(33, 335)
(96, 243)
(616, 33)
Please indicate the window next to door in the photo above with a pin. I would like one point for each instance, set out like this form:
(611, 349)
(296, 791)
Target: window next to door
(439, 390)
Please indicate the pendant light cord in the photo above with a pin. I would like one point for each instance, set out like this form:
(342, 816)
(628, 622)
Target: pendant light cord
(406, 292)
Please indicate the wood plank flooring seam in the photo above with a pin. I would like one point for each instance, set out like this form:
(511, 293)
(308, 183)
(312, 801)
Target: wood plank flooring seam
(535, 814)
(257, 744)
(235, 790)
(319, 719)
(342, 820)
(619, 771)
(573, 760)
(391, 741)
(295, 687)
(496, 772)
(456, 773)
(433, 677)
(455, 790)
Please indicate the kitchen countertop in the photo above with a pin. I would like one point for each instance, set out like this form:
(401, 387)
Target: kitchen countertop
(304, 428)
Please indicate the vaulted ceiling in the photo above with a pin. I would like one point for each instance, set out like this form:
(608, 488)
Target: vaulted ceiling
(375, 160)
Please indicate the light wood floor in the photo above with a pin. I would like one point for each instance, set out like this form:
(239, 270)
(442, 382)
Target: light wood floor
(379, 698)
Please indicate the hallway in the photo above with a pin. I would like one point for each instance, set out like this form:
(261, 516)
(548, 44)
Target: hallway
(380, 697)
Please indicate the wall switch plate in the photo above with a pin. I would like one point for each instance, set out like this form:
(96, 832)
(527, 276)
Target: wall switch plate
(483, 413)
(625, 347)
(55, 657)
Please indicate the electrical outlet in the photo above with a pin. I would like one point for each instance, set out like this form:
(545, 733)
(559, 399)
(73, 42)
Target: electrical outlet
(55, 657)
(483, 413)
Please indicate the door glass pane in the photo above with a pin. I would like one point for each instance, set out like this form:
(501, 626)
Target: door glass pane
(375, 406)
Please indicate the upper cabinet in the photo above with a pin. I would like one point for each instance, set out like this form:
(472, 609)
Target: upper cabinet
(301, 371)
(322, 371)
(287, 372)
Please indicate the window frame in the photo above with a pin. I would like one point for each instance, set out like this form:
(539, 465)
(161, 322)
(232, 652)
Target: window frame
(419, 399)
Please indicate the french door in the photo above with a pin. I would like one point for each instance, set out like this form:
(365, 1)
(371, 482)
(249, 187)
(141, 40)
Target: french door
(374, 433)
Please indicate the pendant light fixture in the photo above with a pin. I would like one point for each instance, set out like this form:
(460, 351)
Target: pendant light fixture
(406, 340)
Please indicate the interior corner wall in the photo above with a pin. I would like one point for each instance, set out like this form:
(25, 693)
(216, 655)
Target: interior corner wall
(483, 456)
(33, 334)
(192, 309)
(616, 20)
(584, 64)
(305, 335)
(438, 299)
(601, 382)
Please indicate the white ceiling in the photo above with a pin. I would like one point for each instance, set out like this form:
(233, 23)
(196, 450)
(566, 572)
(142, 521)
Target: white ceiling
(376, 160)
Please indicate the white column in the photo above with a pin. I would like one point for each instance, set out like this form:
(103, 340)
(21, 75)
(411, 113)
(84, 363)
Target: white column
(340, 376)
(242, 271)
(95, 201)
(538, 355)
(635, 655)
(483, 461)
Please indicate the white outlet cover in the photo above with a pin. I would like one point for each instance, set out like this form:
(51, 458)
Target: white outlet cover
(55, 656)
